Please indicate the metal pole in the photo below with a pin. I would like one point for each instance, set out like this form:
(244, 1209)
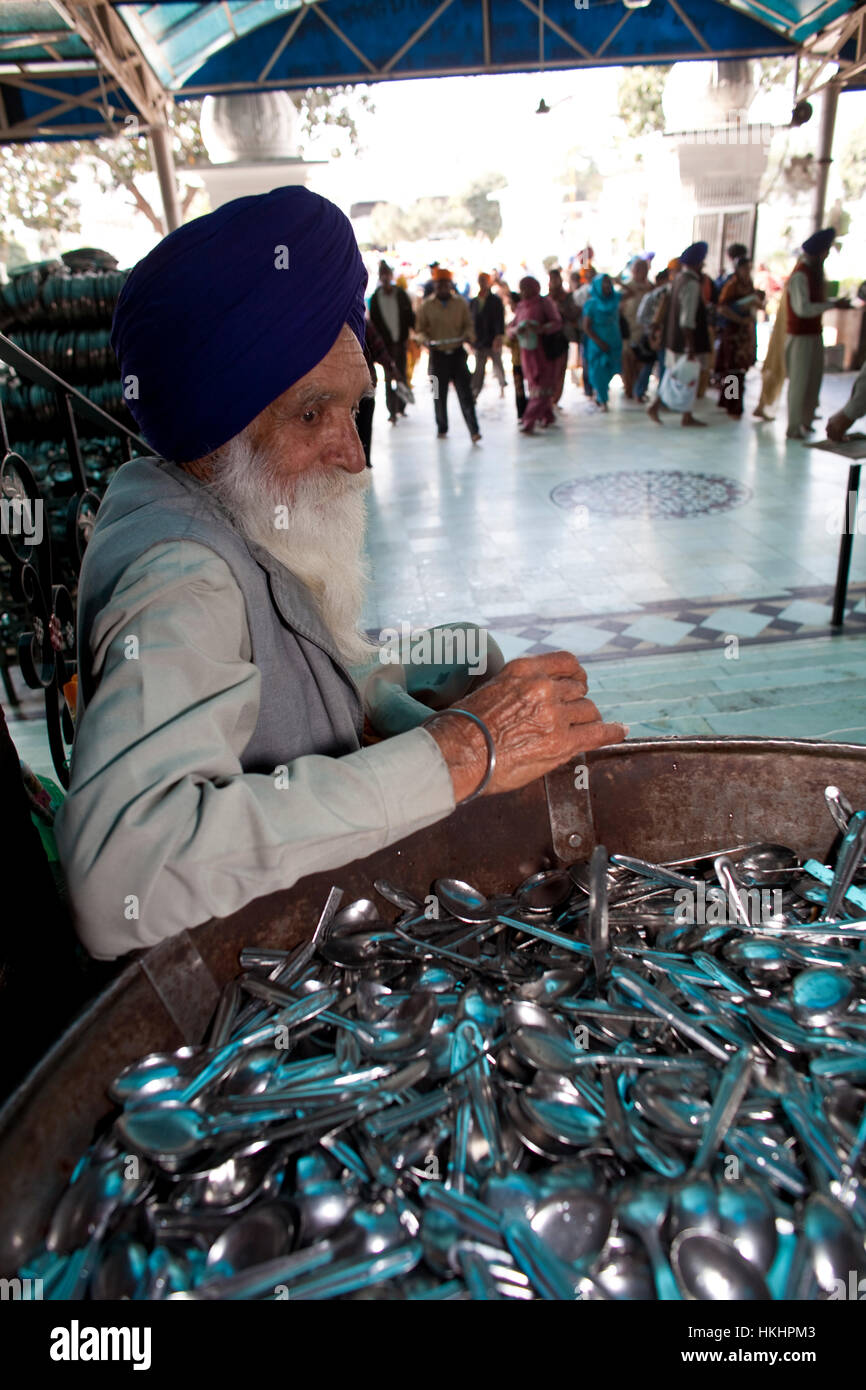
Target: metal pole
(163, 163)
(825, 153)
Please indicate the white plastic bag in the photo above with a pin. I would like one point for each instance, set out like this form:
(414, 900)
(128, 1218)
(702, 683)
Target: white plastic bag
(679, 385)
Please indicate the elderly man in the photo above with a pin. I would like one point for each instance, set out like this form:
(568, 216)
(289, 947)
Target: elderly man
(687, 329)
(219, 753)
(839, 424)
(804, 343)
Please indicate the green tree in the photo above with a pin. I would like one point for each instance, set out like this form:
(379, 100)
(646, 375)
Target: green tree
(37, 181)
(640, 99)
(120, 163)
(321, 107)
(473, 211)
(37, 191)
(779, 72)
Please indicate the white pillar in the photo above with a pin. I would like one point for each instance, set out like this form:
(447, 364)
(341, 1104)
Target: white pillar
(825, 153)
(163, 162)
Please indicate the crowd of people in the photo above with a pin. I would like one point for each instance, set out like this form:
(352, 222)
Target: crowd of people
(689, 331)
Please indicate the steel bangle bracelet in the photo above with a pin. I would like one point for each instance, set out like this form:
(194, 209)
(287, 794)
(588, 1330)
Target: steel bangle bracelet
(491, 749)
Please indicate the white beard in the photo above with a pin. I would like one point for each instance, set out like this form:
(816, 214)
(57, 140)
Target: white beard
(313, 524)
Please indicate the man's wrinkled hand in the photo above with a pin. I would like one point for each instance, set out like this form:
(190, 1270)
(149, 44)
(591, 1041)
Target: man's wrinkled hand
(838, 426)
(538, 716)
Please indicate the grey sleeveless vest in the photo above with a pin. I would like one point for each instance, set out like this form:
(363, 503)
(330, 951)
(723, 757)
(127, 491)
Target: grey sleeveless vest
(309, 702)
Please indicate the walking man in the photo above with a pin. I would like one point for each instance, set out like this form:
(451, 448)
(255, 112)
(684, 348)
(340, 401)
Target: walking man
(804, 345)
(687, 330)
(392, 316)
(444, 324)
(488, 321)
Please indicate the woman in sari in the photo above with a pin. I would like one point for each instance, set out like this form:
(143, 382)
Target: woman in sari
(534, 319)
(602, 336)
(774, 369)
(737, 352)
(413, 347)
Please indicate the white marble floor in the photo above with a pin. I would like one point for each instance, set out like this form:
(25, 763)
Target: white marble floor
(649, 604)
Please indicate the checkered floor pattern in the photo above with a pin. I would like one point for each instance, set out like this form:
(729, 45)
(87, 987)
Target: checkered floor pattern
(678, 625)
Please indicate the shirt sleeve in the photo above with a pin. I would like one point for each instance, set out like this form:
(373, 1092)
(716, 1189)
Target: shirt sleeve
(798, 294)
(162, 829)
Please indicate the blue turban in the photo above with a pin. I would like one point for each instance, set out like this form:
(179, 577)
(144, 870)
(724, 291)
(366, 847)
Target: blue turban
(819, 242)
(695, 255)
(229, 311)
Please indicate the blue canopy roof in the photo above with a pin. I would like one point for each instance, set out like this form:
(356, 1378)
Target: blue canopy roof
(57, 83)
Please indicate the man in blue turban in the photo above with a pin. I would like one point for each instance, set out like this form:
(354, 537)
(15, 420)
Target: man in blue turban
(219, 751)
(687, 329)
(803, 304)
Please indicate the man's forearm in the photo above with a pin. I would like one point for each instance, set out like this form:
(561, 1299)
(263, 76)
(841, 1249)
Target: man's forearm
(856, 405)
(143, 867)
(162, 828)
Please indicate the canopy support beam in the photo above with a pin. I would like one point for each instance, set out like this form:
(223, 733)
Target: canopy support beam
(118, 54)
(159, 138)
(830, 101)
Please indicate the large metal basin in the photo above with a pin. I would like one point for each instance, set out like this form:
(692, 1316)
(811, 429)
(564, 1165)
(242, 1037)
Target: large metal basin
(662, 799)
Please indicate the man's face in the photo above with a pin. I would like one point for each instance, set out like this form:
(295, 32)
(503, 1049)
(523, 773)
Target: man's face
(386, 280)
(483, 284)
(443, 289)
(311, 427)
(294, 482)
(554, 282)
(640, 272)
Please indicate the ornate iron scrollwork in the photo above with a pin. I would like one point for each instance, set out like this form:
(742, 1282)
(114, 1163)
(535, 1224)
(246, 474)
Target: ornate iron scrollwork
(46, 650)
(39, 560)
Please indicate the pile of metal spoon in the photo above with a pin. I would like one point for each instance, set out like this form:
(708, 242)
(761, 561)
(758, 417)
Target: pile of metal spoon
(574, 1091)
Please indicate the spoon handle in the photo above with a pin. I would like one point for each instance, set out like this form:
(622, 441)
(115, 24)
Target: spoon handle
(477, 1274)
(654, 871)
(839, 807)
(551, 1277)
(348, 1275)
(847, 862)
(599, 927)
(580, 948)
(726, 877)
(264, 1278)
(667, 1289)
(735, 1082)
(617, 1122)
(656, 1002)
